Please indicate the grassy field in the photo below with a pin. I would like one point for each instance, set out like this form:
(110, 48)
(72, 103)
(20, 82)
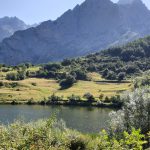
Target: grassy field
(38, 89)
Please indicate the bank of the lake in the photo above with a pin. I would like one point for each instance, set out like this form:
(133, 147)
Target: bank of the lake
(91, 103)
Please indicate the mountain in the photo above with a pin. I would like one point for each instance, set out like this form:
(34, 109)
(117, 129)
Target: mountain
(9, 25)
(122, 2)
(91, 26)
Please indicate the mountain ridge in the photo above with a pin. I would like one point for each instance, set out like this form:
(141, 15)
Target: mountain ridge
(9, 25)
(77, 32)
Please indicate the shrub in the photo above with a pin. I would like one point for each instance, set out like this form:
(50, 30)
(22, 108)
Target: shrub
(74, 98)
(52, 67)
(1, 83)
(121, 76)
(31, 101)
(142, 81)
(101, 97)
(76, 141)
(135, 112)
(66, 62)
(53, 98)
(11, 76)
(79, 74)
(68, 82)
(52, 134)
(89, 97)
(107, 99)
(111, 75)
(20, 75)
(34, 84)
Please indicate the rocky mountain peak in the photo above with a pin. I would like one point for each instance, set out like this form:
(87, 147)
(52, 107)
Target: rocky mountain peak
(125, 2)
(91, 26)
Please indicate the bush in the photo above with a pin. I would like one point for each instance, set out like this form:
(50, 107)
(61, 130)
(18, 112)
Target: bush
(128, 141)
(1, 83)
(76, 141)
(111, 75)
(20, 75)
(101, 97)
(142, 81)
(11, 76)
(79, 74)
(107, 100)
(68, 82)
(121, 76)
(52, 67)
(52, 134)
(74, 98)
(135, 112)
(34, 84)
(66, 62)
(54, 98)
(89, 97)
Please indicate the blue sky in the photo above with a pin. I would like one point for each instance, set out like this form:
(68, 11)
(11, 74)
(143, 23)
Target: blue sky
(35, 11)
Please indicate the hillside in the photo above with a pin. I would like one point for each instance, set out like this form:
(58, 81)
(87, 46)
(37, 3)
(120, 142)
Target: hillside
(9, 25)
(89, 27)
(107, 73)
(127, 61)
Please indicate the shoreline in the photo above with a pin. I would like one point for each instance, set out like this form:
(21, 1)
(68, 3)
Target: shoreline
(64, 103)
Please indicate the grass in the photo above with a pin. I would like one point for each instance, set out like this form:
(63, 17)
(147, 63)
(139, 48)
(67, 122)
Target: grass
(38, 89)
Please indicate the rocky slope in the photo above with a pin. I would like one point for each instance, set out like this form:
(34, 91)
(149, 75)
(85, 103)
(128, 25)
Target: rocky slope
(91, 26)
(9, 25)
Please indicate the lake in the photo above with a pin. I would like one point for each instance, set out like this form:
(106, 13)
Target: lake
(83, 119)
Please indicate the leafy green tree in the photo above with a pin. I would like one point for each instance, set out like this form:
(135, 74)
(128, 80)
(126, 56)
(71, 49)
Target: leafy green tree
(135, 112)
(68, 82)
(89, 97)
(111, 75)
(121, 76)
(101, 97)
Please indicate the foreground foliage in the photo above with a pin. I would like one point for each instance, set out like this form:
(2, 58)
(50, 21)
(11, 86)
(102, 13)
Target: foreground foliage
(135, 112)
(53, 135)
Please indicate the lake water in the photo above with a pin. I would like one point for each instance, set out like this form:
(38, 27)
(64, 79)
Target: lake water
(80, 118)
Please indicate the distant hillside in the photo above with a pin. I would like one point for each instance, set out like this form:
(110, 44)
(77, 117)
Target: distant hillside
(9, 25)
(89, 27)
(116, 63)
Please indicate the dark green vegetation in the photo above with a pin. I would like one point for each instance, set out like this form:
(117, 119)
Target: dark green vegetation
(117, 63)
(53, 135)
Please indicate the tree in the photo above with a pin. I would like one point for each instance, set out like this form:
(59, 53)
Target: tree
(74, 98)
(121, 76)
(135, 112)
(101, 97)
(105, 73)
(11, 76)
(66, 62)
(54, 98)
(52, 67)
(111, 75)
(68, 82)
(79, 74)
(20, 75)
(89, 97)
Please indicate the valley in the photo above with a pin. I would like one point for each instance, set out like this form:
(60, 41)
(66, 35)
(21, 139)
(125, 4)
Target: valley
(79, 81)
